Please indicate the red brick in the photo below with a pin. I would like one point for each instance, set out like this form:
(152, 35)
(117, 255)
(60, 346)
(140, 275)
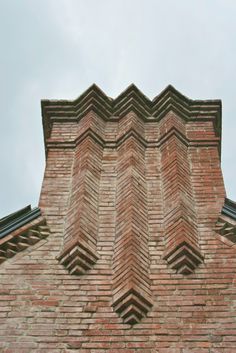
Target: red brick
(128, 181)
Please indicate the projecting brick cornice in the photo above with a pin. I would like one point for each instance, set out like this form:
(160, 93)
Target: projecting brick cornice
(132, 99)
(226, 223)
(21, 231)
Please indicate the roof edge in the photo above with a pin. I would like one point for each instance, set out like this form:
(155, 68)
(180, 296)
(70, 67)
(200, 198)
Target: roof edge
(169, 98)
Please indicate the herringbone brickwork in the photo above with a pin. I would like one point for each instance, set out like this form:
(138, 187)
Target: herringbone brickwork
(180, 223)
(131, 284)
(139, 257)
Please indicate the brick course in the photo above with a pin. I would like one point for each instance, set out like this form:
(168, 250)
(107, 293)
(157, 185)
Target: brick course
(118, 175)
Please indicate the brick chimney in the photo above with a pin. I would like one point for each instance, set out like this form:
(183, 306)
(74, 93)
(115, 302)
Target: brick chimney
(132, 183)
(133, 247)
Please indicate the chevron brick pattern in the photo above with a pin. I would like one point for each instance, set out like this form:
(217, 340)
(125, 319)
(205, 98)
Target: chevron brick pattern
(181, 233)
(131, 100)
(128, 182)
(131, 283)
(94, 126)
(79, 251)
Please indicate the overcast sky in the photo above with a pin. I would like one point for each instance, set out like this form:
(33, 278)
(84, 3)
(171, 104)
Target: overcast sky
(55, 49)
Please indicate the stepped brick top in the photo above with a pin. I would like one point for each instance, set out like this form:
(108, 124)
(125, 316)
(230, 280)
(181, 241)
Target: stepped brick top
(133, 246)
(132, 99)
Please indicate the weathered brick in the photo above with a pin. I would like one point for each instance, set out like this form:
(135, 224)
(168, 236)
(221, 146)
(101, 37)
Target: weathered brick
(128, 183)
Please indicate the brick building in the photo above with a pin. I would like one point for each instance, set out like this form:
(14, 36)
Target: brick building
(132, 248)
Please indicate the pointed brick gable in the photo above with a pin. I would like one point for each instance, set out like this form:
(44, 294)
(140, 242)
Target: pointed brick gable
(129, 128)
(140, 256)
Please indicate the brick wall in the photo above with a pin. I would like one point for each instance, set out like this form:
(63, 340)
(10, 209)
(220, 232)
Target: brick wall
(132, 193)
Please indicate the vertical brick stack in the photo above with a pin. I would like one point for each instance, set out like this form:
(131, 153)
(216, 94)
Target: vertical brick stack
(131, 284)
(140, 256)
(80, 236)
(182, 247)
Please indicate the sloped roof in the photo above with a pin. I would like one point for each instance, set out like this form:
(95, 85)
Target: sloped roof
(229, 208)
(21, 229)
(18, 219)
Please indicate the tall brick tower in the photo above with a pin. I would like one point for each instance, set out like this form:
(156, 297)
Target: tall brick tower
(132, 248)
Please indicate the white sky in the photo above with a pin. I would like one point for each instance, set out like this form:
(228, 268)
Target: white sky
(55, 49)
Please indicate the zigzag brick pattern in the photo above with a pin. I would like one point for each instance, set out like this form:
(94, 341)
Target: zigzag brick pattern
(79, 252)
(181, 233)
(132, 99)
(131, 284)
(45, 309)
